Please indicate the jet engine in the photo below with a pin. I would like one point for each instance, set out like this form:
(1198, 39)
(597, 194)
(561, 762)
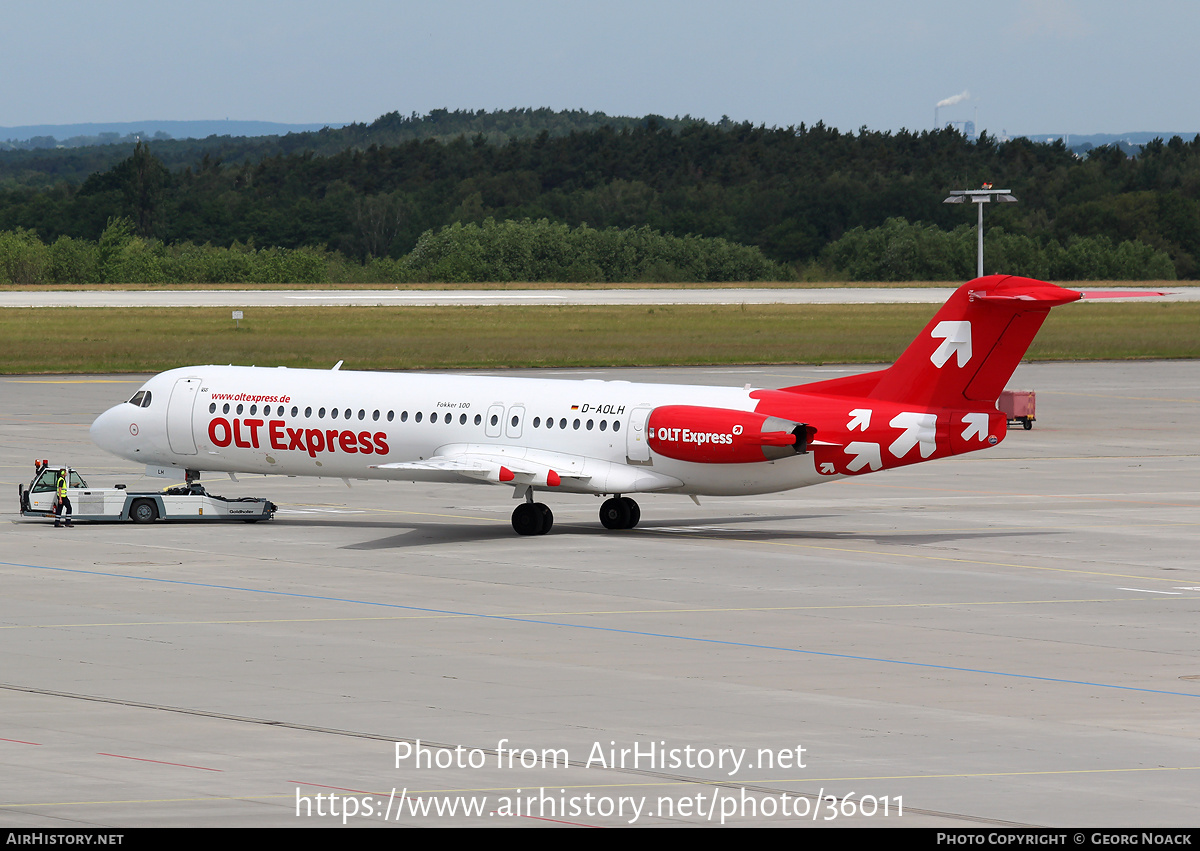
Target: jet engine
(723, 435)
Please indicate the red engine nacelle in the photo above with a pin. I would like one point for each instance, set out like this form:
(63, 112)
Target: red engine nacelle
(724, 436)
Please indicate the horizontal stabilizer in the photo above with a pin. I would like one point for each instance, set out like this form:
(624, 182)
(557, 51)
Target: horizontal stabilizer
(1122, 293)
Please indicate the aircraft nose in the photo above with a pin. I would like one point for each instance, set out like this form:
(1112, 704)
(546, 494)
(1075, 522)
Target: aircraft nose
(112, 431)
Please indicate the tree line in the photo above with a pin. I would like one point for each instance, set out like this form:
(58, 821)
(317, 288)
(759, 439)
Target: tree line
(494, 251)
(802, 196)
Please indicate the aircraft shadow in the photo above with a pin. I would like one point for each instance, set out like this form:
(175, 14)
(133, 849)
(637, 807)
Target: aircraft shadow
(431, 534)
(720, 528)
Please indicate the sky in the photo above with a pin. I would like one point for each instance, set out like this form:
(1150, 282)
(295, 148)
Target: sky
(1026, 66)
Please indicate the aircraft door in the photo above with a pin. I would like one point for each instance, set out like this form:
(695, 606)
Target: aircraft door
(514, 421)
(179, 416)
(493, 426)
(637, 449)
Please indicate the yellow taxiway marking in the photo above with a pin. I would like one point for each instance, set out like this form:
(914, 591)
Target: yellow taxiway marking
(1129, 398)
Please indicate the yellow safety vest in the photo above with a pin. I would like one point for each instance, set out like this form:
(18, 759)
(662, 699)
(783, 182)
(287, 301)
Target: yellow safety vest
(62, 486)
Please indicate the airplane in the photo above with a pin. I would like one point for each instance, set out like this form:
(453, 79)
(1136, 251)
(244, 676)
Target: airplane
(608, 438)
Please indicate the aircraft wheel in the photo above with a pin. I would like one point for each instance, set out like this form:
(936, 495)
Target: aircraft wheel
(527, 519)
(615, 514)
(144, 511)
(635, 513)
(547, 517)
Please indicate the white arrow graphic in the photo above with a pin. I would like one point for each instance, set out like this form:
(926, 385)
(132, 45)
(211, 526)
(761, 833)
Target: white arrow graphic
(860, 418)
(976, 426)
(865, 455)
(955, 335)
(827, 467)
(918, 429)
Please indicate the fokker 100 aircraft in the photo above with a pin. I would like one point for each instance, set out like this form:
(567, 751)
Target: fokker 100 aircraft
(609, 438)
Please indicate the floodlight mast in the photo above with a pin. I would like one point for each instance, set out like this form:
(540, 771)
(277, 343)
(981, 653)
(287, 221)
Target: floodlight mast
(979, 197)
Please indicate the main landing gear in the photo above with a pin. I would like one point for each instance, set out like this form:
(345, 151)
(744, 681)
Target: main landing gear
(536, 518)
(620, 512)
(532, 518)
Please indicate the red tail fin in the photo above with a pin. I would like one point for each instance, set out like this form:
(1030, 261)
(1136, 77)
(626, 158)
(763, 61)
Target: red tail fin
(968, 351)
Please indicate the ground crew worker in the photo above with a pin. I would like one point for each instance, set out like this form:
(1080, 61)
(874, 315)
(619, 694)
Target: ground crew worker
(64, 502)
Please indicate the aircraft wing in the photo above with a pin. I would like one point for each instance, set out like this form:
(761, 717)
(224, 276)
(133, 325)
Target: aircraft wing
(496, 469)
(504, 465)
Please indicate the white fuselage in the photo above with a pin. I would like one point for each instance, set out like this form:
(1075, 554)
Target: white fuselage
(345, 424)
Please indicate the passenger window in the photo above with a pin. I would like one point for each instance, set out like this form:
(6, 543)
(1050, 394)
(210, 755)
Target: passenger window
(225, 408)
(462, 419)
(212, 408)
(478, 419)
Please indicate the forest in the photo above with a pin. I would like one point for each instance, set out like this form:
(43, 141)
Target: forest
(810, 201)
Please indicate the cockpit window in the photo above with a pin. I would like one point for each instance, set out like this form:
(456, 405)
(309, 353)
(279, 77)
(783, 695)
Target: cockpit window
(137, 398)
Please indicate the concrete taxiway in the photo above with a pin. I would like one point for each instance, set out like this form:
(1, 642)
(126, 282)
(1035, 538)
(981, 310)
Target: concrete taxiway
(1007, 638)
(444, 298)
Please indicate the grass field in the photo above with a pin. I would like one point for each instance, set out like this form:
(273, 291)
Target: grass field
(90, 340)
